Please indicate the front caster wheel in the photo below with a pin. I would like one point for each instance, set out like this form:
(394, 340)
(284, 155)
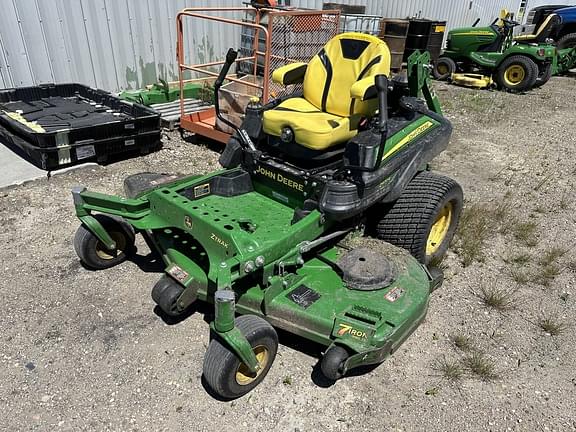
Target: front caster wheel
(332, 365)
(225, 373)
(92, 251)
(165, 294)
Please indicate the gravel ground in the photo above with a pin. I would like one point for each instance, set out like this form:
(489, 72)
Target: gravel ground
(84, 350)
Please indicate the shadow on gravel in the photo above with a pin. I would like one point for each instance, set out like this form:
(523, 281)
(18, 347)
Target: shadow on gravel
(150, 263)
(210, 144)
(173, 320)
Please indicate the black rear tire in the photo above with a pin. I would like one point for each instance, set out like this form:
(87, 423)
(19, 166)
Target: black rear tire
(444, 67)
(517, 73)
(224, 372)
(333, 362)
(92, 252)
(567, 41)
(411, 222)
(166, 293)
(544, 75)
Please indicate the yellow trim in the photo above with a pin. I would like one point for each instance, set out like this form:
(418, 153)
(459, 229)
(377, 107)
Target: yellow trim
(477, 33)
(416, 132)
(243, 374)
(439, 229)
(20, 119)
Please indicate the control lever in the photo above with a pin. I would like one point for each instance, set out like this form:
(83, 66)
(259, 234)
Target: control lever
(381, 82)
(245, 140)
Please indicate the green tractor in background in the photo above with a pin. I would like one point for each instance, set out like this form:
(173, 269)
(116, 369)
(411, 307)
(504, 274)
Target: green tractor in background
(480, 55)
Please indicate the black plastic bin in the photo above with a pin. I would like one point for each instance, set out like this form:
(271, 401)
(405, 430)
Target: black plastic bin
(61, 124)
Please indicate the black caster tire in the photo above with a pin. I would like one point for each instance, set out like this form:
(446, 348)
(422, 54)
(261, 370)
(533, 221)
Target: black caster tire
(165, 294)
(93, 254)
(517, 73)
(444, 67)
(332, 365)
(225, 373)
(423, 220)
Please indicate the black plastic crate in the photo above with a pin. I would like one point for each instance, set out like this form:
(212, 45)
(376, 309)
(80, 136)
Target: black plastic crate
(50, 158)
(53, 116)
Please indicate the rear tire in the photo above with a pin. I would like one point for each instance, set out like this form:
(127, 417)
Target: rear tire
(423, 220)
(517, 73)
(444, 67)
(544, 75)
(92, 252)
(225, 373)
(567, 41)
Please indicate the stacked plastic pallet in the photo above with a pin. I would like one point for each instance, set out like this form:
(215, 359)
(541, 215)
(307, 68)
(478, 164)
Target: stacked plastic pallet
(64, 124)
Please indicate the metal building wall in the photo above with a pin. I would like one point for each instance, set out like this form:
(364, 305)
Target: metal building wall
(118, 44)
(109, 44)
(457, 13)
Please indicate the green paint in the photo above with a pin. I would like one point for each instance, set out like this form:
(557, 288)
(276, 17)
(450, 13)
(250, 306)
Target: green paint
(161, 93)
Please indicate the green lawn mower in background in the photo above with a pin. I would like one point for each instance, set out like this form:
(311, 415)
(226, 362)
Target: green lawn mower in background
(325, 221)
(478, 56)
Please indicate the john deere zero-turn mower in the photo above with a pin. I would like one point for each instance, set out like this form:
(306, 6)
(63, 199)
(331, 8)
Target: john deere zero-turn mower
(268, 237)
(477, 55)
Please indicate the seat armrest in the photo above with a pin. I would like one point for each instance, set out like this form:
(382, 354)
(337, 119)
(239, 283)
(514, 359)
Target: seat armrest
(290, 74)
(363, 89)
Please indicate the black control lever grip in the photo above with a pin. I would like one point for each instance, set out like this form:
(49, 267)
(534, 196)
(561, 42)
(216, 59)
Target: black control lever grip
(230, 58)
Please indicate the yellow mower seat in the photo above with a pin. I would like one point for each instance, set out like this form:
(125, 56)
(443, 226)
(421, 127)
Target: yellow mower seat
(338, 91)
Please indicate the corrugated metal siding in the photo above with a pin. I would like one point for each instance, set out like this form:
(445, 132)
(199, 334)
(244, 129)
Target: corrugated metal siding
(110, 44)
(118, 44)
(457, 13)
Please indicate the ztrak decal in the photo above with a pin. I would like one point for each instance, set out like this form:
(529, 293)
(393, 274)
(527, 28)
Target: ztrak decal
(280, 178)
(348, 329)
(219, 240)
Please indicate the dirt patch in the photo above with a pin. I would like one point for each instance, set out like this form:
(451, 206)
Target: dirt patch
(84, 350)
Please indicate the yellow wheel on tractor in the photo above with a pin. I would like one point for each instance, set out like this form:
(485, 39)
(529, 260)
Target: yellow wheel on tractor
(514, 75)
(517, 73)
(443, 69)
(439, 229)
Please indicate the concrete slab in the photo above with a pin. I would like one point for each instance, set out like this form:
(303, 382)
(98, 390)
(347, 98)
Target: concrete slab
(16, 170)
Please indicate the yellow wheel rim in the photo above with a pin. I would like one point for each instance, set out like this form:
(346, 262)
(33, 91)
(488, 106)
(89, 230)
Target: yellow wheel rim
(104, 253)
(439, 230)
(514, 75)
(442, 69)
(243, 374)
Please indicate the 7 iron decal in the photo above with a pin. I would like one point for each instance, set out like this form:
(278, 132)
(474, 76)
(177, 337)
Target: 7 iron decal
(348, 329)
